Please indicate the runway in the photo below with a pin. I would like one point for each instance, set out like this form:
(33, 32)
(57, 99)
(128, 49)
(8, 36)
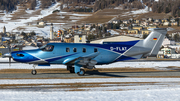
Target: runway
(90, 74)
(98, 84)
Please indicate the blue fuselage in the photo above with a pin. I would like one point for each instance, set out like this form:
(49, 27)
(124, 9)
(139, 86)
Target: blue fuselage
(106, 53)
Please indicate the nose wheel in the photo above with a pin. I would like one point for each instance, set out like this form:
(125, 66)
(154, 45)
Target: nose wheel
(33, 72)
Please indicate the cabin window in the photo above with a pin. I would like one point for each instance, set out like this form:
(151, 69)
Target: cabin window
(74, 49)
(84, 50)
(47, 48)
(95, 50)
(67, 50)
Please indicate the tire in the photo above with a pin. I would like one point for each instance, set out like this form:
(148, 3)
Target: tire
(81, 73)
(33, 72)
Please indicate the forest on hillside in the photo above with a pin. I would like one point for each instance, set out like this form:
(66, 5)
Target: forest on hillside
(162, 6)
(10, 5)
(167, 6)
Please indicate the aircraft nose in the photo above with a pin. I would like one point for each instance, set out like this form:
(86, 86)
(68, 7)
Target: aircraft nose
(24, 57)
(19, 56)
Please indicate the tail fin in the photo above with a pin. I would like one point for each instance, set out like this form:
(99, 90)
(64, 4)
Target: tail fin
(154, 40)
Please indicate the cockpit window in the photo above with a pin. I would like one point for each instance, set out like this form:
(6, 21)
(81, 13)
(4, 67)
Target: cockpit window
(47, 48)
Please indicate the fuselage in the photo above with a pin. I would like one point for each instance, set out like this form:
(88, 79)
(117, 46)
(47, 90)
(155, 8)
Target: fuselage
(107, 53)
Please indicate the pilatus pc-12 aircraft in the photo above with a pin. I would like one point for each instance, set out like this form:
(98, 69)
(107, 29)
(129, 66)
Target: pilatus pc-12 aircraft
(76, 55)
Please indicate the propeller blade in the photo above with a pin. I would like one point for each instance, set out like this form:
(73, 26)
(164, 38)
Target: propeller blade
(9, 47)
(10, 61)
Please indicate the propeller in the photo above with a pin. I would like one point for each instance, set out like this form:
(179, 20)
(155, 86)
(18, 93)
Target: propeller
(9, 50)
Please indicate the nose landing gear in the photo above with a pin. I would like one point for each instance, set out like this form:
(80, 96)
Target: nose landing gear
(34, 72)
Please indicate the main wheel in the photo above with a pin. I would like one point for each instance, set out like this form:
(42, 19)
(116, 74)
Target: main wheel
(81, 73)
(33, 72)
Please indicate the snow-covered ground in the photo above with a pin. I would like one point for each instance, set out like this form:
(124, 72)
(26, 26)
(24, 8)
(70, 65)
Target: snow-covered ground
(141, 95)
(163, 89)
(20, 25)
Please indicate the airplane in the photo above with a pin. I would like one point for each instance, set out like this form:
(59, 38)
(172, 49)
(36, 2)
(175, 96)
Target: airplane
(87, 55)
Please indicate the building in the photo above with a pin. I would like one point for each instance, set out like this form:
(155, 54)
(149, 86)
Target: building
(167, 42)
(174, 23)
(116, 39)
(51, 32)
(144, 23)
(80, 38)
(166, 23)
(139, 28)
(0, 37)
(87, 27)
(164, 20)
(145, 31)
(133, 31)
(4, 30)
(125, 21)
(137, 21)
(68, 40)
(116, 21)
(42, 23)
(148, 27)
(169, 52)
(150, 19)
(157, 20)
(160, 54)
(176, 47)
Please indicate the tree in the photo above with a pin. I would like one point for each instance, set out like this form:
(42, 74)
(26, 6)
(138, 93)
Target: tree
(25, 35)
(167, 10)
(32, 33)
(145, 35)
(177, 37)
(91, 37)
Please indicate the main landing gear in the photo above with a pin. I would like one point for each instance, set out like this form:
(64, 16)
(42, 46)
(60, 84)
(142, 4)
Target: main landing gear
(34, 72)
(81, 73)
(76, 69)
(71, 69)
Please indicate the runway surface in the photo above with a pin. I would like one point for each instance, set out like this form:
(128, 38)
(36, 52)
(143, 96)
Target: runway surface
(90, 74)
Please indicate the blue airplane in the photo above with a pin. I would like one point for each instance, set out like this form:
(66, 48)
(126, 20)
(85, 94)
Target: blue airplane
(77, 55)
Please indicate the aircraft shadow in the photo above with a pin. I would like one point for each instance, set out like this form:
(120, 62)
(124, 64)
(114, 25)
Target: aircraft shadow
(93, 73)
(107, 74)
(96, 73)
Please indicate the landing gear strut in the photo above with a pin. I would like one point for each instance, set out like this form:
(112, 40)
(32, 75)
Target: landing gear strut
(71, 69)
(34, 72)
(78, 70)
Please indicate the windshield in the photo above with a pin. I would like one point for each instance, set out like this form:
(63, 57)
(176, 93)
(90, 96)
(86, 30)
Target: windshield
(47, 48)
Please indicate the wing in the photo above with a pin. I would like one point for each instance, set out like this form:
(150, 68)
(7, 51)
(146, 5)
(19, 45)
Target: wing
(83, 60)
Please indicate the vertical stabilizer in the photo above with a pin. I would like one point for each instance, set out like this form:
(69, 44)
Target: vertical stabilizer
(154, 40)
